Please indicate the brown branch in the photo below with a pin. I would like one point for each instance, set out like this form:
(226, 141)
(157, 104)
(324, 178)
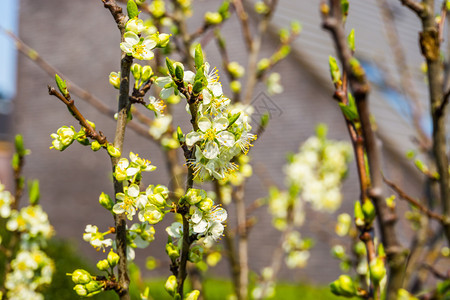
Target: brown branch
(74, 88)
(403, 195)
(414, 6)
(332, 21)
(243, 19)
(70, 103)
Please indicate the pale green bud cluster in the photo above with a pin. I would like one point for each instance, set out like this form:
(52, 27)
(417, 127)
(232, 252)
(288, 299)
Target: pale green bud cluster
(85, 284)
(114, 79)
(110, 262)
(297, 250)
(141, 74)
(344, 286)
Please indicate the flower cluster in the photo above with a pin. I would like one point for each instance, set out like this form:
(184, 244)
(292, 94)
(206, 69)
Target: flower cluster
(318, 169)
(31, 268)
(206, 219)
(223, 131)
(96, 238)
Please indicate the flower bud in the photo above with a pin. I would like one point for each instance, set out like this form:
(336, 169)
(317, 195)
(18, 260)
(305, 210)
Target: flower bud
(146, 73)
(213, 18)
(103, 265)
(95, 146)
(206, 204)
(80, 290)
(157, 200)
(296, 27)
(334, 70)
(193, 295)
(263, 64)
(196, 254)
(261, 8)
(106, 201)
(351, 40)
(172, 251)
(343, 286)
(170, 67)
(18, 142)
(80, 276)
(338, 251)
(369, 211)
(236, 70)
(114, 79)
(93, 286)
(193, 197)
(377, 270)
(171, 285)
(113, 151)
(359, 215)
(113, 258)
(179, 72)
(135, 25)
(136, 71)
(235, 86)
(213, 259)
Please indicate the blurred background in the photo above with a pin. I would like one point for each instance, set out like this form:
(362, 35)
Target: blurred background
(80, 39)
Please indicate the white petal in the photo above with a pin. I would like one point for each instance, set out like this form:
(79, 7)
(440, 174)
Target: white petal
(118, 209)
(206, 97)
(149, 43)
(162, 81)
(133, 190)
(220, 124)
(131, 38)
(204, 124)
(200, 227)
(132, 171)
(166, 93)
(216, 89)
(147, 54)
(192, 138)
(189, 76)
(225, 138)
(125, 47)
(219, 214)
(211, 150)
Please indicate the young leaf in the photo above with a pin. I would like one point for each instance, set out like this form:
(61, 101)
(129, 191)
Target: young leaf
(132, 9)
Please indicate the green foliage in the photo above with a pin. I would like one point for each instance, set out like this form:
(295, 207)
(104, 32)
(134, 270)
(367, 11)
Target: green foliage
(132, 9)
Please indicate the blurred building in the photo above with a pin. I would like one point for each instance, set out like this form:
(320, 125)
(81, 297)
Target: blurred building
(80, 39)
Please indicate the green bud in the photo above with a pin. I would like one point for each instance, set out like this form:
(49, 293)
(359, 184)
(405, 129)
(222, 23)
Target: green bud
(179, 72)
(263, 64)
(93, 286)
(334, 70)
(357, 69)
(113, 151)
(381, 252)
(20, 148)
(198, 56)
(146, 73)
(261, 8)
(390, 201)
(235, 86)
(359, 215)
(103, 265)
(351, 40)
(180, 135)
(173, 99)
(213, 18)
(284, 35)
(224, 9)
(377, 270)
(62, 86)
(113, 258)
(196, 254)
(136, 70)
(132, 9)
(369, 211)
(34, 193)
(447, 5)
(421, 165)
(171, 285)
(193, 295)
(80, 290)
(80, 276)
(206, 204)
(347, 286)
(15, 162)
(296, 27)
(114, 79)
(321, 130)
(265, 119)
(169, 64)
(197, 88)
(360, 249)
(106, 201)
(236, 70)
(95, 146)
(345, 6)
(338, 251)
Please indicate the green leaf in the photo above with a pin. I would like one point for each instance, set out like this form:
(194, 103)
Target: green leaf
(34, 192)
(198, 87)
(62, 86)
(351, 39)
(20, 148)
(233, 118)
(132, 9)
(345, 6)
(169, 64)
(198, 57)
(348, 112)
(334, 70)
(179, 73)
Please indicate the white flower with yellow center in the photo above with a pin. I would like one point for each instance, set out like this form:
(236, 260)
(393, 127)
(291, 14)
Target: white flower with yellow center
(157, 106)
(96, 238)
(214, 134)
(139, 48)
(126, 201)
(62, 138)
(208, 224)
(5, 202)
